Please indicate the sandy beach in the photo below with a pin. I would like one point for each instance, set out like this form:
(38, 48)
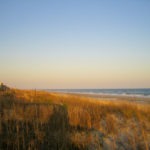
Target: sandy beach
(134, 99)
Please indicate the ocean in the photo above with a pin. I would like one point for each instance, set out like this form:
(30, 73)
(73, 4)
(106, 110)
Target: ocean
(120, 92)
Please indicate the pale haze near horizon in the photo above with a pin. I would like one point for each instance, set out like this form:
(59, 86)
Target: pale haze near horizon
(75, 44)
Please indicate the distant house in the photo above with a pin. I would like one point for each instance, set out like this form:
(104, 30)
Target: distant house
(3, 87)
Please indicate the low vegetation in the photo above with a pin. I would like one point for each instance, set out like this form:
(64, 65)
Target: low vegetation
(35, 120)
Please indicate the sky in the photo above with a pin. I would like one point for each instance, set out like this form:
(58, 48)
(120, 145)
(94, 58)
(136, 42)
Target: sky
(75, 43)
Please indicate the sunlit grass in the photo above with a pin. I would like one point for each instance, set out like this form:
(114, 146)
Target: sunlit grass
(40, 120)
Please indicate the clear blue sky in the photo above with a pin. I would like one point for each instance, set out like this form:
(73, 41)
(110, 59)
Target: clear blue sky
(75, 43)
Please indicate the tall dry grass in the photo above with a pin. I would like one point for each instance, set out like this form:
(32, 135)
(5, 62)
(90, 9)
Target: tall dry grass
(41, 120)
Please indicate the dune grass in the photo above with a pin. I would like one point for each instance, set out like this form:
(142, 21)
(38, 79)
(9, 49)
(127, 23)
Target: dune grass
(41, 120)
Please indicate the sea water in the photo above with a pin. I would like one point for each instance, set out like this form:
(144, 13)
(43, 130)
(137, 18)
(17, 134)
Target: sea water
(120, 92)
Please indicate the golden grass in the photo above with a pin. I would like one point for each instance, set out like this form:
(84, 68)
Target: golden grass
(40, 120)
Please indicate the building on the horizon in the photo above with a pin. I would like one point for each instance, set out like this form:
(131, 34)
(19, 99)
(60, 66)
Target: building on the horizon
(3, 87)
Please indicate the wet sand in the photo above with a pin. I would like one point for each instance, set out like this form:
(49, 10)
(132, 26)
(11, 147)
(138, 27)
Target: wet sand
(135, 99)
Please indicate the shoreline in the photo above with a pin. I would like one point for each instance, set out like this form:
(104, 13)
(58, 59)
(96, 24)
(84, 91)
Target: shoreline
(111, 97)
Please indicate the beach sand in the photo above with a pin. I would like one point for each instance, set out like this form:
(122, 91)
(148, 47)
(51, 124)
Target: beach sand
(134, 99)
